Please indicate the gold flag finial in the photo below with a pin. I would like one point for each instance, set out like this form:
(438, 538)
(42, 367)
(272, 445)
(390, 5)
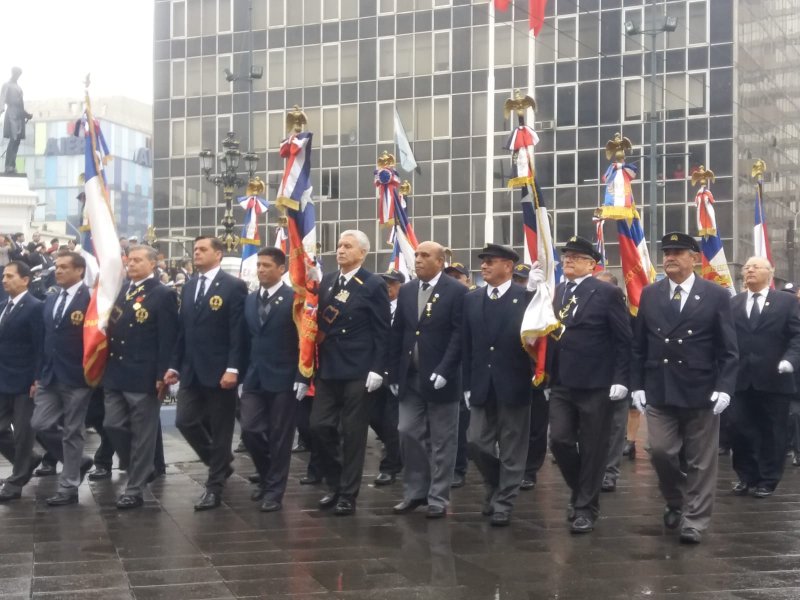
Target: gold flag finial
(702, 176)
(759, 168)
(386, 160)
(296, 120)
(518, 104)
(405, 188)
(255, 187)
(617, 148)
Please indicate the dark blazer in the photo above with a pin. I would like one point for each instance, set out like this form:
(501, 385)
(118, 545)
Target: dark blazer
(62, 349)
(682, 362)
(142, 331)
(272, 348)
(354, 341)
(594, 348)
(20, 345)
(437, 334)
(211, 336)
(776, 337)
(494, 355)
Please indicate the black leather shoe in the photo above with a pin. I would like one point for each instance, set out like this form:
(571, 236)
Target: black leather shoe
(344, 507)
(436, 512)
(329, 500)
(240, 447)
(690, 536)
(672, 517)
(500, 519)
(527, 484)
(6, 495)
(609, 485)
(127, 501)
(258, 494)
(761, 492)
(796, 460)
(46, 470)
(86, 465)
(458, 481)
(407, 506)
(308, 480)
(487, 510)
(582, 524)
(99, 474)
(36, 460)
(254, 478)
(270, 506)
(723, 451)
(62, 499)
(740, 488)
(384, 479)
(208, 501)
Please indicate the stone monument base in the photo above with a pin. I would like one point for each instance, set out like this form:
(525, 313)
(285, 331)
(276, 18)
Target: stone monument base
(17, 204)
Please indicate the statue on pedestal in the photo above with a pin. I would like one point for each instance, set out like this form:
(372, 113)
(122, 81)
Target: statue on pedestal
(15, 118)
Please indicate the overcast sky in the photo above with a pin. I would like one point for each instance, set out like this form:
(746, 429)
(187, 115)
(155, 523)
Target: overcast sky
(56, 42)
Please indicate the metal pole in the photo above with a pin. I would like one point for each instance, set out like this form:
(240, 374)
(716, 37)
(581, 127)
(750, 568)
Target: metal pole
(488, 224)
(250, 143)
(653, 153)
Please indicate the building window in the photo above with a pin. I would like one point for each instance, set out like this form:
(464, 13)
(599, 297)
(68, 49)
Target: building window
(567, 38)
(178, 78)
(294, 67)
(312, 12)
(405, 55)
(330, 183)
(224, 16)
(441, 117)
(312, 65)
(177, 147)
(276, 128)
(178, 19)
(193, 19)
(193, 136)
(422, 119)
(330, 63)
(565, 168)
(349, 9)
(260, 131)
(275, 59)
(386, 57)
(632, 90)
(349, 62)
(441, 177)
(209, 17)
(698, 23)
(177, 192)
(330, 10)
(209, 76)
(502, 45)
(423, 54)
(224, 62)
(386, 7)
(330, 126)
(277, 13)
(565, 105)
(348, 125)
(633, 43)
(385, 121)
(193, 76)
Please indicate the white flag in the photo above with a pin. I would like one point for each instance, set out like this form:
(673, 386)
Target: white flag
(407, 160)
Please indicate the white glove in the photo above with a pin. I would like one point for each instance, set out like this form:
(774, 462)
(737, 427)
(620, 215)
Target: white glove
(721, 401)
(438, 381)
(394, 388)
(536, 276)
(300, 390)
(639, 400)
(466, 398)
(374, 381)
(617, 392)
(785, 367)
(546, 392)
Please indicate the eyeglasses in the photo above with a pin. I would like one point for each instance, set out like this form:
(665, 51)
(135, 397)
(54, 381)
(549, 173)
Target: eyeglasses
(574, 257)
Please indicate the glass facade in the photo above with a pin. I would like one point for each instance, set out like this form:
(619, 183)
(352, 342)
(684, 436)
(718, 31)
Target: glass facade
(350, 63)
(53, 159)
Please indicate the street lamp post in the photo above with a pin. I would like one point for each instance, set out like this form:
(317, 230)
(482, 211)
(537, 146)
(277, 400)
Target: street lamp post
(668, 24)
(229, 180)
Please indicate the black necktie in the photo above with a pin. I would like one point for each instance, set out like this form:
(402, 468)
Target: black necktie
(755, 311)
(263, 306)
(495, 294)
(6, 312)
(425, 286)
(62, 303)
(201, 291)
(568, 289)
(342, 282)
(675, 303)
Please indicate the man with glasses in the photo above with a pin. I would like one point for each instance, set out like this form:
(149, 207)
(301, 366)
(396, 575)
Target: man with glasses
(683, 372)
(588, 360)
(768, 332)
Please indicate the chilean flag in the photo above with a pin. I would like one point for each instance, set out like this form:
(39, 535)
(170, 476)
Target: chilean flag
(105, 245)
(761, 245)
(251, 239)
(637, 270)
(715, 264)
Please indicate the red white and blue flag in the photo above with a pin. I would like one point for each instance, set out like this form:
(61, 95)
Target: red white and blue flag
(618, 202)
(535, 12)
(715, 264)
(251, 239)
(637, 270)
(105, 245)
(282, 239)
(387, 181)
(294, 194)
(761, 246)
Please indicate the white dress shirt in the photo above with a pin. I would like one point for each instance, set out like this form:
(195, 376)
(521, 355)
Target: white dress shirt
(501, 289)
(271, 290)
(433, 281)
(348, 276)
(12, 303)
(209, 275)
(70, 295)
(761, 300)
(686, 287)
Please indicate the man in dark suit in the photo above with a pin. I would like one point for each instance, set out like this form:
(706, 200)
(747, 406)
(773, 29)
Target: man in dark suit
(20, 347)
(353, 319)
(768, 334)
(683, 371)
(497, 379)
(384, 412)
(588, 360)
(62, 394)
(208, 358)
(273, 385)
(425, 353)
(141, 337)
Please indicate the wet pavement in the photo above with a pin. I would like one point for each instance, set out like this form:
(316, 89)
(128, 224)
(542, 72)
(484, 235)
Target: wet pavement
(167, 551)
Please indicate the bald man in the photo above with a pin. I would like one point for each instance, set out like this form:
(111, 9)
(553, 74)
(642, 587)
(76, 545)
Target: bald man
(425, 354)
(768, 333)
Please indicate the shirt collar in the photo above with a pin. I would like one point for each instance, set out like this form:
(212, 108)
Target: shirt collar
(210, 274)
(140, 282)
(350, 274)
(18, 297)
(578, 280)
(271, 290)
(433, 280)
(501, 289)
(763, 293)
(393, 305)
(71, 291)
(685, 286)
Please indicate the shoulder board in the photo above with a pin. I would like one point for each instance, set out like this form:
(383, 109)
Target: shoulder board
(358, 280)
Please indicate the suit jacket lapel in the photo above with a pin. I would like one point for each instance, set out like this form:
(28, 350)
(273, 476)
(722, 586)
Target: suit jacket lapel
(766, 312)
(584, 293)
(694, 299)
(273, 302)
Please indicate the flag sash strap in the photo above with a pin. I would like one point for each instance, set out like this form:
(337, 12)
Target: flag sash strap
(296, 150)
(521, 143)
(618, 202)
(387, 182)
(706, 218)
(251, 239)
(761, 245)
(714, 263)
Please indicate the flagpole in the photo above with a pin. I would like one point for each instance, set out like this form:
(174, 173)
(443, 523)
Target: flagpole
(531, 72)
(488, 230)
